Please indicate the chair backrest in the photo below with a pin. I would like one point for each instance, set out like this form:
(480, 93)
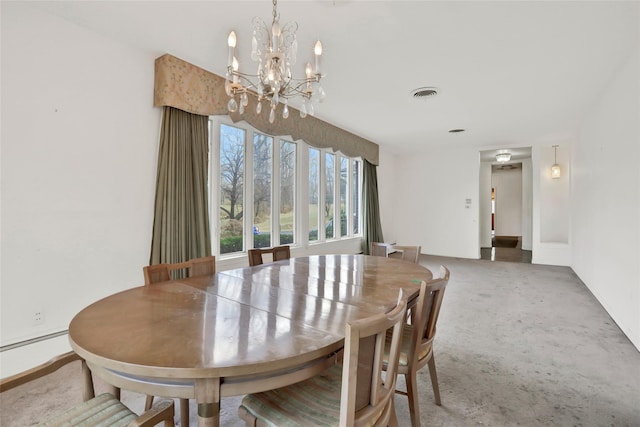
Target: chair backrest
(367, 394)
(426, 313)
(409, 253)
(379, 249)
(277, 252)
(165, 272)
(204, 266)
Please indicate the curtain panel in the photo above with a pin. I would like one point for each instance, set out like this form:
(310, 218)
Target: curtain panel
(182, 85)
(372, 228)
(181, 219)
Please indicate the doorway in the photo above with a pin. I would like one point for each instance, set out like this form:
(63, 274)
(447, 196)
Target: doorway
(505, 206)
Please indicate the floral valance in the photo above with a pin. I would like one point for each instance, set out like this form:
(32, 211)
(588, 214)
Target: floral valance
(182, 85)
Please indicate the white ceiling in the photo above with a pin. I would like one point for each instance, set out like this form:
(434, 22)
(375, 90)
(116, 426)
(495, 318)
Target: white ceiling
(512, 74)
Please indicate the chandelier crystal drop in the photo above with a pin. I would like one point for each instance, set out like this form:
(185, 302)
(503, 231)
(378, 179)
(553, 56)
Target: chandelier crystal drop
(275, 51)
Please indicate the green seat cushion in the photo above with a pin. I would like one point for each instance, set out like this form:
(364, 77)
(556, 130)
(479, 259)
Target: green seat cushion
(101, 411)
(313, 402)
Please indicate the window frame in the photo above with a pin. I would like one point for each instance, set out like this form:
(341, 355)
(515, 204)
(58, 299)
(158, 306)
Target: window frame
(301, 225)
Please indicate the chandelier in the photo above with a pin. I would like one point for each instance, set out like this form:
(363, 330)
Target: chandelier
(275, 52)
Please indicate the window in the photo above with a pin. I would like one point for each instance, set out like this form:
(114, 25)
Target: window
(329, 194)
(314, 193)
(355, 193)
(287, 191)
(232, 142)
(288, 202)
(262, 164)
(344, 179)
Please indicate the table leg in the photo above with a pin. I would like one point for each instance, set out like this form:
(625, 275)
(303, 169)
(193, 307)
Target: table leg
(207, 392)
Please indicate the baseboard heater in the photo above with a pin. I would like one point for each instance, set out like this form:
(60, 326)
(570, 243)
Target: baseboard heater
(33, 340)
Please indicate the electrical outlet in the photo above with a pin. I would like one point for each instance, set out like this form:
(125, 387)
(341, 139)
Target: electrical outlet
(38, 317)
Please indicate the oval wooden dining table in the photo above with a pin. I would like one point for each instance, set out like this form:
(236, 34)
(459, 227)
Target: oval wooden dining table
(239, 331)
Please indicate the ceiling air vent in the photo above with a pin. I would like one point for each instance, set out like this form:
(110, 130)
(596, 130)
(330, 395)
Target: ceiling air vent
(424, 92)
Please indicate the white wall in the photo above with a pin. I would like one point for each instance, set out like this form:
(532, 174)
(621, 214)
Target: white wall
(508, 202)
(606, 200)
(431, 191)
(484, 202)
(527, 204)
(79, 143)
(555, 195)
(551, 224)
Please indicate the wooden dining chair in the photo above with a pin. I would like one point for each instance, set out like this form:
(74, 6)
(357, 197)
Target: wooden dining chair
(205, 266)
(162, 273)
(354, 393)
(99, 411)
(379, 249)
(277, 253)
(408, 253)
(417, 342)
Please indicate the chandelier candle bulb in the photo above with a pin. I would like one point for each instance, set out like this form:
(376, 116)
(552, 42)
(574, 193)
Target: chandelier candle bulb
(232, 44)
(318, 52)
(235, 70)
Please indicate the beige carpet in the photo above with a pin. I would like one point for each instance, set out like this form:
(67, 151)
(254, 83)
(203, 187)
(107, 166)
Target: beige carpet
(517, 345)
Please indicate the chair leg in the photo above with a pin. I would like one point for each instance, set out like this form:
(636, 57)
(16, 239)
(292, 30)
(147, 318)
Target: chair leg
(412, 394)
(184, 412)
(393, 418)
(148, 403)
(434, 379)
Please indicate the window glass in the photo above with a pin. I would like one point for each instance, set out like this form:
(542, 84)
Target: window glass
(262, 164)
(232, 149)
(287, 191)
(314, 193)
(344, 179)
(355, 193)
(329, 194)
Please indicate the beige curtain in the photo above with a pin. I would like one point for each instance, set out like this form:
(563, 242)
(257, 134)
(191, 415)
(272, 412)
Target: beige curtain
(372, 230)
(181, 220)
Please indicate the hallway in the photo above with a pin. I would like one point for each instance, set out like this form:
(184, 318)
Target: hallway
(505, 254)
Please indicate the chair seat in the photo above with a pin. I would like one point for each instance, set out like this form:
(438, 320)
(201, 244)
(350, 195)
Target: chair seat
(405, 346)
(313, 402)
(101, 411)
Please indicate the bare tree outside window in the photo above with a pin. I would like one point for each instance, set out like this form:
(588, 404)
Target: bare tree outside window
(287, 191)
(232, 147)
(314, 193)
(329, 195)
(344, 179)
(262, 176)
